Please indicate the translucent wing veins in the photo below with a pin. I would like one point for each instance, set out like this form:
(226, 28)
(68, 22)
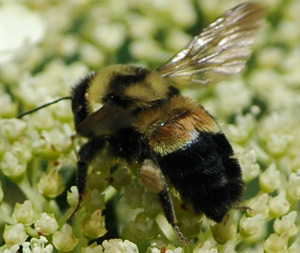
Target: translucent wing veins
(222, 48)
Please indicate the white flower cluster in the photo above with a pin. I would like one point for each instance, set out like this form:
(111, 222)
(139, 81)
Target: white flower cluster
(46, 46)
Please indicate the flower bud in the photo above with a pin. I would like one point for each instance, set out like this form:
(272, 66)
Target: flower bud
(13, 249)
(51, 185)
(72, 196)
(279, 205)
(8, 108)
(38, 146)
(95, 200)
(121, 178)
(286, 225)
(207, 247)
(245, 124)
(64, 240)
(111, 36)
(14, 234)
(295, 247)
(94, 226)
(13, 129)
(225, 230)
(46, 224)
(132, 195)
(37, 245)
(251, 225)
(93, 248)
(152, 205)
(49, 150)
(278, 144)
(60, 140)
(117, 245)
(249, 164)
(98, 180)
(259, 205)
(276, 243)
(13, 166)
(24, 213)
(141, 228)
(270, 179)
(293, 187)
(43, 120)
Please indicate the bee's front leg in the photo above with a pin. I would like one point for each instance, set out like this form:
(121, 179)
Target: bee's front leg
(85, 155)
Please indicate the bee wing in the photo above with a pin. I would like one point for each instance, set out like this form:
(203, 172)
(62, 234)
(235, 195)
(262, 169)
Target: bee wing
(223, 48)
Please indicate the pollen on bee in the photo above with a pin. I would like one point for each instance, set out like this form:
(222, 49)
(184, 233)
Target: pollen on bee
(87, 97)
(151, 177)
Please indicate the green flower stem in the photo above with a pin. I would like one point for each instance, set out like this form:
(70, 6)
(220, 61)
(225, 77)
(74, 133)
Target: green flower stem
(51, 206)
(83, 241)
(31, 231)
(32, 194)
(36, 168)
(5, 218)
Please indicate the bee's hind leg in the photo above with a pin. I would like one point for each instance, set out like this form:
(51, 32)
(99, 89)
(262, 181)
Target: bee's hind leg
(154, 181)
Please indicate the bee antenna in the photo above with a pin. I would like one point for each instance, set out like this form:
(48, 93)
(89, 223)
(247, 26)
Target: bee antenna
(21, 115)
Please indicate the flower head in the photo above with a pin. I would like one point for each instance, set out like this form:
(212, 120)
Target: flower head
(50, 46)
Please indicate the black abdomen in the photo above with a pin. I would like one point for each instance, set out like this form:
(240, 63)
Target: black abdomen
(206, 174)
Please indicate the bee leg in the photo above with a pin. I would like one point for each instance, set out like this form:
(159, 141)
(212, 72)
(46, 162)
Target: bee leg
(86, 154)
(244, 208)
(153, 179)
(169, 211)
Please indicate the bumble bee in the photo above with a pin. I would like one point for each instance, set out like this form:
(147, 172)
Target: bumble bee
(141, 114)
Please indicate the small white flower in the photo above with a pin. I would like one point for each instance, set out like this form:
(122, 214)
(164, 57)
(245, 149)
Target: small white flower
(293, 187)
(46, 224)
(38, 245)
(27, 29)
(72, 196)
(94, 226)
(259, 205)
(13, 166)
(13, 249)
(276, 243)
(251, 225)
(270, 179)
(110, 36)
(117, 245)
(13, 129)
(51, 184)
(25, 213)
(64, 240)
(286, 225)
(14, 234)
(250, 167)
(208, 247)
(93, 248)
(279, 205)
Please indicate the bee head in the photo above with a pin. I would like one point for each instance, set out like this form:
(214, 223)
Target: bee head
(113, 95)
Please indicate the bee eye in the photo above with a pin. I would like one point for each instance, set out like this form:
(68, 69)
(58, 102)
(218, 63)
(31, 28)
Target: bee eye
(116, 100)
(110, 99)
(113, 100)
